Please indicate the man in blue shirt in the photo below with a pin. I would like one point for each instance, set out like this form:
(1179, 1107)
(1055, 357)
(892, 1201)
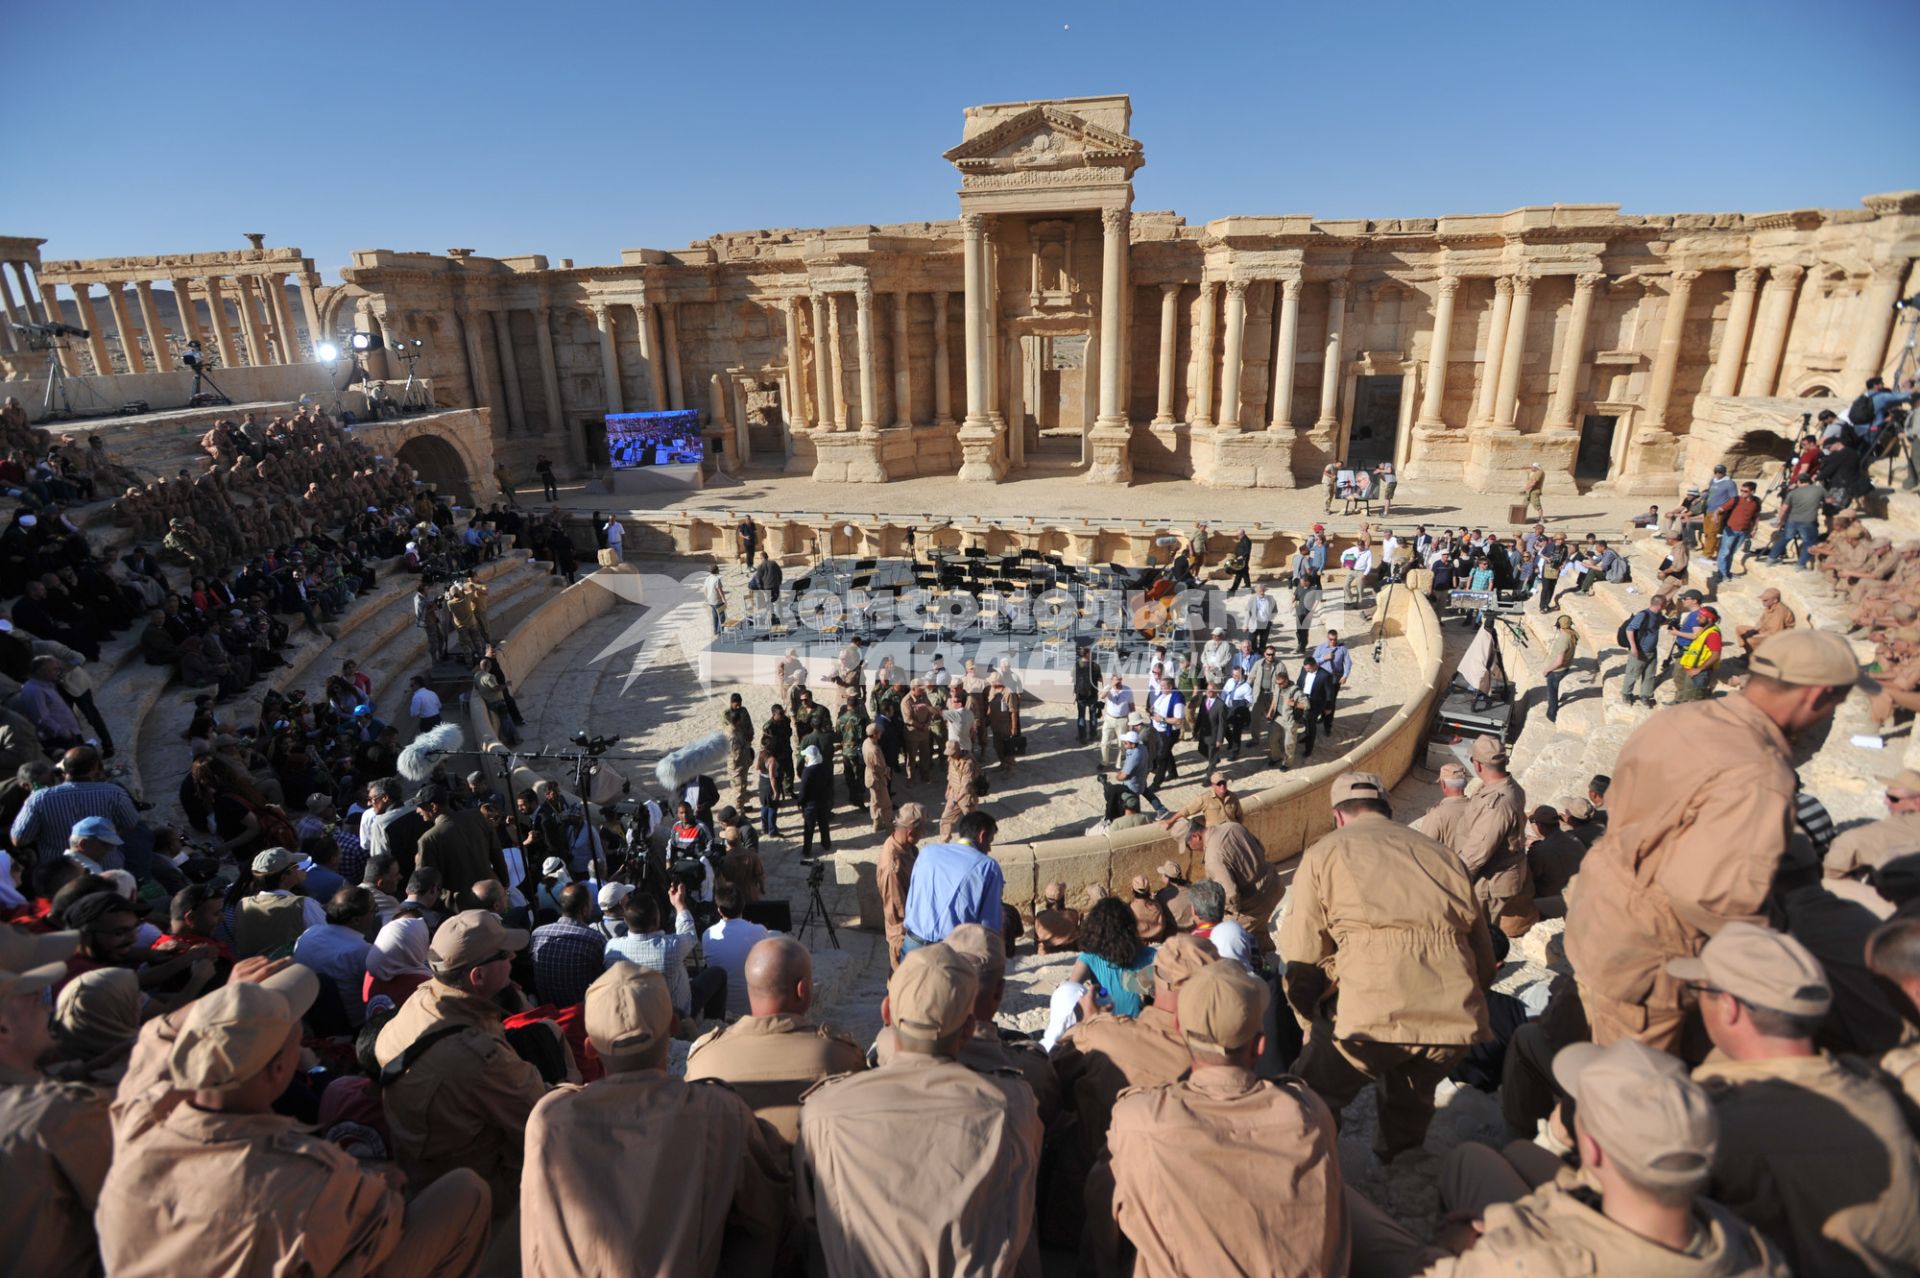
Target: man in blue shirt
(955, 883)
(1337, 663)
(1132, 777)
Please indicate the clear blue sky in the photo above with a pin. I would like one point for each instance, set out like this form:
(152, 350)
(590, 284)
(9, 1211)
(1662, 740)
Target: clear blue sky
(577, 129)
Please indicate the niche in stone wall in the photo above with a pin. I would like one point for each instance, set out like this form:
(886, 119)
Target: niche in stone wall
(1053, 283)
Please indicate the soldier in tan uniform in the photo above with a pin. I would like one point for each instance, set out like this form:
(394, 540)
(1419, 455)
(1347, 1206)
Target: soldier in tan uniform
(1646, 1137)
(1387, 960)
(55, 1138)
(1493, 842)
(1699, 812)
(1056, 925)
(917, 715)
(225, 1187)
(1893, 956)
(773, 1055)
(1221, 1172)
(879, 779)
(1172, 894)
(643, 1173)
(1868, 847)
(894, 873)
(462, 1099)
(924, 1166)
(1214, 805)
(1443, 821)
(962, 797)
(1238, 863)
(1150, 918)
(1814, 1152)
(1103, 1055)
(1774, 618)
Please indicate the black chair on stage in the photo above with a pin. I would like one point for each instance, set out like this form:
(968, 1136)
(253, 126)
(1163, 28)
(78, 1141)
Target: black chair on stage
(865, 565)
(976, 552)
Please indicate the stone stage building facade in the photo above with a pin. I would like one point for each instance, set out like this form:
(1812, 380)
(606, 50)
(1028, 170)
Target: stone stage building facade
(1053, 328)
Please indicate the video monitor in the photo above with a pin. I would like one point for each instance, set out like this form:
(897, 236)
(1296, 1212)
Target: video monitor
(654, 439)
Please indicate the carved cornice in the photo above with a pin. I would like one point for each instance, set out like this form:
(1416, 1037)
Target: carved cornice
(1589, 281)
(1100, 145)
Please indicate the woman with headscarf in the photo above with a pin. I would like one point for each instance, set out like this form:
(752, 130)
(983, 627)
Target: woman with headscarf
(397, 963)
(95, 1023)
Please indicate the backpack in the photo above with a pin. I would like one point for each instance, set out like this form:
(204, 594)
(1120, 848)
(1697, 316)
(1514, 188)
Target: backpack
(1628, 627)
(1860, 413)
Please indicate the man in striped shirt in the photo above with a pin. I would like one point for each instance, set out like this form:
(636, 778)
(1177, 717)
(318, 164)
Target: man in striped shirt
(48, 817)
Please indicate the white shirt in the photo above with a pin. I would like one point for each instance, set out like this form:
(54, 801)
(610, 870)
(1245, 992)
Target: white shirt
(425, 704)
(712, 591)
(1233, 942)
(339, 954)
(1363, 562)
(726, 944)
(1261, 610)
(1119, 702)
(615, 534)
(1238, 691)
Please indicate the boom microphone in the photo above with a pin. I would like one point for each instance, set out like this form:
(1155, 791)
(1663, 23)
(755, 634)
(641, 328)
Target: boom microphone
(426, 750)
(707, 754)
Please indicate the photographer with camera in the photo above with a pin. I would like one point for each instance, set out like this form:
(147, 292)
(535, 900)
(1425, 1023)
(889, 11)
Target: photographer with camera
(703, 993)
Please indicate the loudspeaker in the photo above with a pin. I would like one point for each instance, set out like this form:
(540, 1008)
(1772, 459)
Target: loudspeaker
(777, 915)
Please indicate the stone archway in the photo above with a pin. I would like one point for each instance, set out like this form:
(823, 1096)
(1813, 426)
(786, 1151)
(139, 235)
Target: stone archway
(1756, 454)
(439, 463)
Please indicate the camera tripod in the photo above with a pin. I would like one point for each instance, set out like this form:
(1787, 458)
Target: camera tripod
(1909, 361)
(816, 911)
(210, 397)
(56, 385)
(414, 396)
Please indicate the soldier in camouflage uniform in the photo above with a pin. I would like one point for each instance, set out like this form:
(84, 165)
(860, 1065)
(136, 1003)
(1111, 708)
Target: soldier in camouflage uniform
(851, 727)
(740, 748)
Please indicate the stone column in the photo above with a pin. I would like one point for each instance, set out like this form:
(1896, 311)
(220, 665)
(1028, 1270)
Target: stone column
(1112, 434)
(1484, 401)
(550, 383)
(289, 332)
(990, 313)
(184, 309)
(477, 384)
(1573, 354)
(842, 407)
(1329, 419)
(1733, 342)
(150, 320)
(123, 325)
(902, 370)
(1872, 316)
(822, 367)
(609, 359)
(310, 305)
(650, 352)
(10, 340)
(1432, 403)
(251, 336)
(796, 406)
(509, 370)
(1203, 359)
(942, 363)
(1285, 353)
(1016, 402)
(1230, 367)
(222, 329)
(28, 297)
(973, 253)
(1169, 313)
(89, 320)
(1770, 336)
(670, 352)
(869, 383)
(1666, 357)
(1506, 405)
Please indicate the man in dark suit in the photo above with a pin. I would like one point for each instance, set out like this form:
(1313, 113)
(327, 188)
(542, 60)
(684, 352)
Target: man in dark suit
(460, 845)
(1210, 723)
(1317, 687)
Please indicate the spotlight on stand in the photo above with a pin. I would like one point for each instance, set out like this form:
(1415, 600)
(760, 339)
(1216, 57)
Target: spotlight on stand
(364, 342)
(327, 351)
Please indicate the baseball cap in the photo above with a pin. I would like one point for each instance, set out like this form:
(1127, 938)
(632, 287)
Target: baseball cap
(1454, 773)
(1580, 809)
(1168, 869)
(31, 962)
(628, 1010)
(1130, 738)
(1218, 778)
(1644, 1111)
(1221, 1007)
(611, 894)
(1140, 884)
(931, 993)
(472, 937)
(553, 865)
(983, 947)
(1807, 659)
(909, 815)
(1762, 967)
(235, 1032)
(1179, 957)
(96, 827)
(1357, 785)
(1907, 781)
(1488, 750)
(274, 860)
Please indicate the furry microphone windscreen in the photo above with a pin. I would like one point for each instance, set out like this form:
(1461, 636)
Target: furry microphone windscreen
(418, 759)
(708, 754)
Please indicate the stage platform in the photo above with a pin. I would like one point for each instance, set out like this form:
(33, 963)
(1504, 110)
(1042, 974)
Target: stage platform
(1035, 609)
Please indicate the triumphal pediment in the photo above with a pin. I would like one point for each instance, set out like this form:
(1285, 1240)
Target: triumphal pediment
(1068, 153)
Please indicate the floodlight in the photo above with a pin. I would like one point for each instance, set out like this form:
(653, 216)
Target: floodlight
(364, 342)
(327, 351)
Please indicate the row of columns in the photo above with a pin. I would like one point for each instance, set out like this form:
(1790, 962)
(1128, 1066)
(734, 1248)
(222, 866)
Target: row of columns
(1233, 361)
(829, 408)
(268, 331)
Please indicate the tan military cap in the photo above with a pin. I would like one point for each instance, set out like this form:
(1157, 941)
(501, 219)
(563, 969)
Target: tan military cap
(931, 993)
(985, 949)
(1168, 869)
(1643, 1110)
(1454, 774)
(1580, 808)
(1759, 966)
(1186, 827)
(1136, 719)
(1489, 750)
(629, 1009)
(1140, 883)
(908, 816)
(471, 938)
(1357, 785)
(1221, 1007)
(232, 1034)
(1906, 781)
(30, 962)
(1218, 778)
(1179, 957)
(274, 860)
(1807, 659)
(1096, 892)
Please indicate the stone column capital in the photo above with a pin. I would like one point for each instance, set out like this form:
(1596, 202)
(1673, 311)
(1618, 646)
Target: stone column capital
(1523, 283)
(599, 312)
(1746, 279)
(1587, 281)
(1115, 221)
(1788, 274)
(863, 292)
(1448, 285)
(1890, 270)
(1237, 288)
(1167, 290)
(1504, 284)
(1290, 286)
(1337, 289)
(940, 296)
(973, 225)
(1682, 279)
